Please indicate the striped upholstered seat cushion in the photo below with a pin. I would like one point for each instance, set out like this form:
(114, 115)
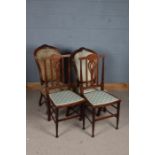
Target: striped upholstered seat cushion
(65, 97)
(99, 97)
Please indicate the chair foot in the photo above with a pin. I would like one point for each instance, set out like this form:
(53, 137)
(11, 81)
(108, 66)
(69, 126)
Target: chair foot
(80, 119)
(92, 136)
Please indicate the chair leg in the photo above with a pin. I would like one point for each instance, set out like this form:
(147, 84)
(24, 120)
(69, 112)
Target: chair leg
(49, 114)
(56, 121)
(104, 109)
(67, 112)
(93, 121)
(83, 115)
(99, 112)
(117, 118)
(48, 110)
(40, 99)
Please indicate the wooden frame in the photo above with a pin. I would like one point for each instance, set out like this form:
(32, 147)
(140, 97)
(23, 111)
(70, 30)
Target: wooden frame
(61, 82)
(92, 64)
(43, 96)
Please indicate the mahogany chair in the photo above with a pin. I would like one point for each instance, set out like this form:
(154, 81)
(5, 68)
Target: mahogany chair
(43, 52)
(58, 89)
(91, 87)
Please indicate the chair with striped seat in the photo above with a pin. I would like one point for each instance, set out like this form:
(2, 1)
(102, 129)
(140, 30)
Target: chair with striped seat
(87, 63)
(59, 89)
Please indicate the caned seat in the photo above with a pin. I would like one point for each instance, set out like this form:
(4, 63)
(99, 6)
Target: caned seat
(87, 64)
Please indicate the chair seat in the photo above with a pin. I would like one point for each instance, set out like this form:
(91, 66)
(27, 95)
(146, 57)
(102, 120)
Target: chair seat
(65, 97)
(99, 97)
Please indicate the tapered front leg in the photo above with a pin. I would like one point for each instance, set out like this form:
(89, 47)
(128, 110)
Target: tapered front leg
(93, 121)
(118, 113)
(83, 115)
(56, 121)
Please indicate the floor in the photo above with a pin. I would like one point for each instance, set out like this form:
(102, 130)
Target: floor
(72, 139)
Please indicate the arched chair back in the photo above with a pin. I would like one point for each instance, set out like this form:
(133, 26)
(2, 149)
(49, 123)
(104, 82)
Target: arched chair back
(41, 53)
(87, 63)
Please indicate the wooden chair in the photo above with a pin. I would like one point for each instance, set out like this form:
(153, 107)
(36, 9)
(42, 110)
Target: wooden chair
(58, 89)
(86, 63)
(41, 53)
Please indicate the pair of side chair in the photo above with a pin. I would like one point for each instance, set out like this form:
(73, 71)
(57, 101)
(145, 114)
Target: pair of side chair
(81, 94)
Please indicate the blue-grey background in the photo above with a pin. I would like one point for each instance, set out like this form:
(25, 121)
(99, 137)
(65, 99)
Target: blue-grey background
(101, 25)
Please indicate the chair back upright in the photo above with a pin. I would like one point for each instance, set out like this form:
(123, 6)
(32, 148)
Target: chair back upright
(41, 53)
(86, 63)
(58, 80)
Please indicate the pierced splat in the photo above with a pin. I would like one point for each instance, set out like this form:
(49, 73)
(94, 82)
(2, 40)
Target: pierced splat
(92, 67)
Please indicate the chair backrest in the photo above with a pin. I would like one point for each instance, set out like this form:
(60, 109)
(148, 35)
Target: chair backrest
(86, 64)
(56, 76)
(41, 53)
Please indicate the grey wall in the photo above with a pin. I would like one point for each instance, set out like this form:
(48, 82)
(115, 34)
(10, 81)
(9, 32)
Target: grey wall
(101, 25)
